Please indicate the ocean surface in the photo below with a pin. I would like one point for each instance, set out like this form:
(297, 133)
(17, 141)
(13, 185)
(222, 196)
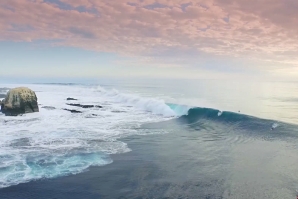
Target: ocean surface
(153, 139)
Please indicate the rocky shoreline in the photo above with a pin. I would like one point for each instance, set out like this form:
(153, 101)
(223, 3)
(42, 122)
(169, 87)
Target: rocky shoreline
(22, 100)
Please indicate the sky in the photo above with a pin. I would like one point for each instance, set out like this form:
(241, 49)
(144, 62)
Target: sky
(89, 39)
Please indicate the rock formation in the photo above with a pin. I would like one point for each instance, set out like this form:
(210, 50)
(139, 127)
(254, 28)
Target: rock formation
(19, 101)
(48, 107)
(70, 98)
(72, 111)
(85, 106)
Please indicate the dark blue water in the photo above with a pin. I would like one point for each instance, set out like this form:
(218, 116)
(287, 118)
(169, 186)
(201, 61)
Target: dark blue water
(203, 155)
(236, 155)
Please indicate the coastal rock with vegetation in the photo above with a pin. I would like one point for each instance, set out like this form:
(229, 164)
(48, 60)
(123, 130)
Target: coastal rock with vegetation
(19, 101)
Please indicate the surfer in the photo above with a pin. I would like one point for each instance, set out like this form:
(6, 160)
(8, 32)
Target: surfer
(274, 125)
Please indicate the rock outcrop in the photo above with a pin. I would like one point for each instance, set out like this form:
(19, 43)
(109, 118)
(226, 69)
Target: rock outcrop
(48, 107)
(19, 101)
(72, 111)
(85, 106)
(70, 98)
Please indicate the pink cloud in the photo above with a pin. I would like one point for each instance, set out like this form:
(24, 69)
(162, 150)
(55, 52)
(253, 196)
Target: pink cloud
(265, 29)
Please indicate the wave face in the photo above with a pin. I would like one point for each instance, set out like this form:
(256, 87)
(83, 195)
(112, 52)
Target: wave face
(229, 126)
(178, 109)
(231, 119)
(55, 142)
(194, 114)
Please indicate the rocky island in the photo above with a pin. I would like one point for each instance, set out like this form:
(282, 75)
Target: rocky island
(19, 101)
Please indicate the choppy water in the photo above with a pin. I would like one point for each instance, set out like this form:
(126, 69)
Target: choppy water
(251, 148)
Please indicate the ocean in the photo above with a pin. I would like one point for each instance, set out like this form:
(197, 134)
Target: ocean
(153, 139)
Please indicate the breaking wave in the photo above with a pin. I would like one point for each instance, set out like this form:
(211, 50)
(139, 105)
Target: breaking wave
(155, 106)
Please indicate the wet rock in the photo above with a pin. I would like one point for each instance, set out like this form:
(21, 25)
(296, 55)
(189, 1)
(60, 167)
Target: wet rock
(85, 106)
(69, 99)
(19, 101)
(72, 111)
(48, 107)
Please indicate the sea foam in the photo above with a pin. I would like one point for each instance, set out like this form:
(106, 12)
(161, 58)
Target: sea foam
(55, 142)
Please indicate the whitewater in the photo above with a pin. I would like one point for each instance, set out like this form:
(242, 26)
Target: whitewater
(55, 142)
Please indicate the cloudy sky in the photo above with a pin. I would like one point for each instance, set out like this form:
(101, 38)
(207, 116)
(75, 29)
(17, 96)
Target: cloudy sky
(149, 38)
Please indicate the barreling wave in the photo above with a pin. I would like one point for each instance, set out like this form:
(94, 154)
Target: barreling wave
(185, 113)
(214, 114)
(228, 118)
(213, 124)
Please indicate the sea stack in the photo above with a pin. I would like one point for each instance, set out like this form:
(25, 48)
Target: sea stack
(19, 101)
